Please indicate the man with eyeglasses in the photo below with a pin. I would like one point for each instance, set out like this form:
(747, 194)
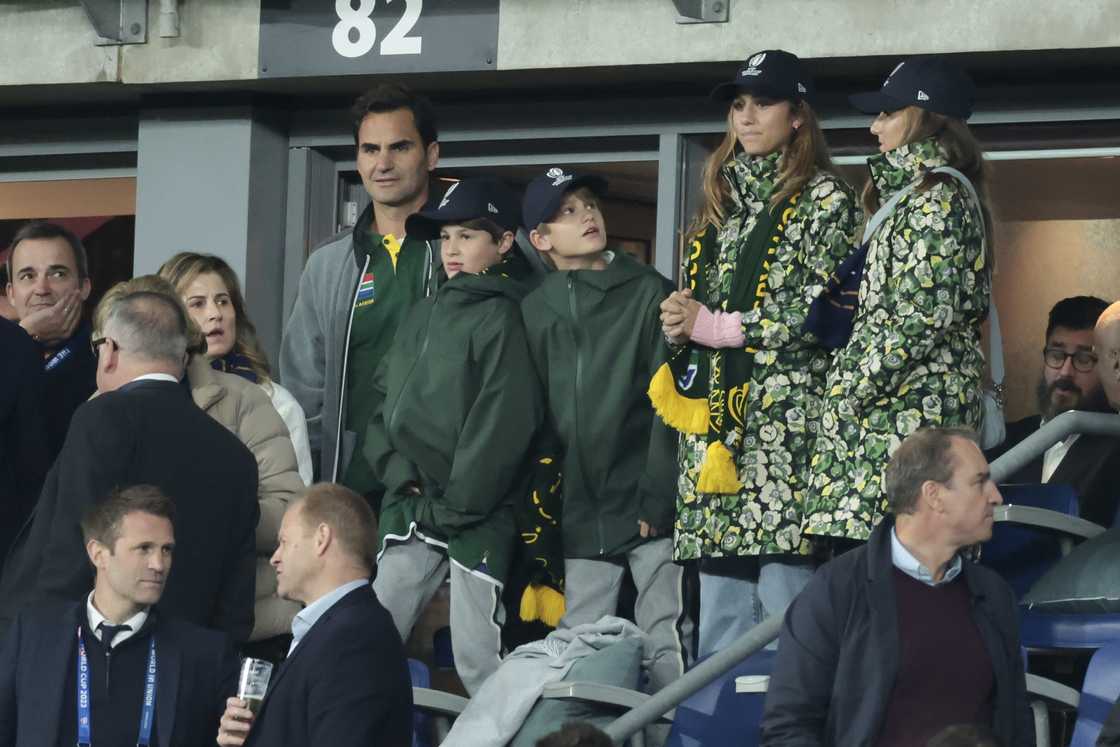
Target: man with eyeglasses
(1070, 381)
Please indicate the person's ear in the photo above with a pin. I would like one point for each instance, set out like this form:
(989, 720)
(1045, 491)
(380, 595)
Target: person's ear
(432, 155)
(506, 242)
(86, 287)
(931, 496)
(96, 553)
(323, 538)
(541, 242)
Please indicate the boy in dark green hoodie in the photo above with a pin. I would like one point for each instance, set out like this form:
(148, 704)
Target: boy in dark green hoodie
(461, 405)
(595, 332)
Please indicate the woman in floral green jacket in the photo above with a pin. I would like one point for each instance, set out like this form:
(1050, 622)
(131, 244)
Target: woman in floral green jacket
(744, 386)
(914, 356)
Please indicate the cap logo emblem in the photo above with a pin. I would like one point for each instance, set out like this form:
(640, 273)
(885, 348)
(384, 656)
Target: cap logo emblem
(896, 69)
(491, 208)
(922, 95)
(447, 196)
(801, 88)
(756, 60)
(558, 176)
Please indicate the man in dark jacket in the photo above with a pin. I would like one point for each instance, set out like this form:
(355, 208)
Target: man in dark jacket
(48, 284)
(1070, 381)
(119, 637)
(345, 682)
(144, 429)
(893, 641)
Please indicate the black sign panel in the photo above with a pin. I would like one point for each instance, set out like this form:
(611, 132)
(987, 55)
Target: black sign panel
(360, 37)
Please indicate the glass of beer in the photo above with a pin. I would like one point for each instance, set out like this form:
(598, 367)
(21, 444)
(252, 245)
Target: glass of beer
(253, 682)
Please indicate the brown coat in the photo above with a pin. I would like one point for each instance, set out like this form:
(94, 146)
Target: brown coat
(246, 411)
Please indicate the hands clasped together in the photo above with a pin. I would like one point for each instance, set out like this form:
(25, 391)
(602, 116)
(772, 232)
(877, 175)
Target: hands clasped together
(678, 315)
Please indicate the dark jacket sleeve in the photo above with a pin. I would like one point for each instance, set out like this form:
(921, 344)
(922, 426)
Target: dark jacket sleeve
(497, 432)
(657, 488)
(97, 451)
(303, 357)
(797, 701)
(30, 451)
(1022, 717)
(234, 613)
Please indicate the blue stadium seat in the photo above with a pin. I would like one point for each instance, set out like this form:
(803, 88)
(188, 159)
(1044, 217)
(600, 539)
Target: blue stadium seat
(1022, 554)
(1100, 691)
(717, 714)
(421, 677)
(1067, 630)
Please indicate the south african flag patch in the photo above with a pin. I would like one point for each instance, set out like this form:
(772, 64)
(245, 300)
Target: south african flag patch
(365, 291)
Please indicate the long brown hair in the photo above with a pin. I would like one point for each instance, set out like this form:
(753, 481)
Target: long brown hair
(806, 154)
(963, 153)
(184, 267)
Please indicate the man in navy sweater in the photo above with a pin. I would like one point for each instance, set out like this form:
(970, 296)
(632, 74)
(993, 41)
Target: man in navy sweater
(110, 669)
(894, 641)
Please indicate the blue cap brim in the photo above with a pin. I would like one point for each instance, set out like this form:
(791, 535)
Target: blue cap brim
(874, 102)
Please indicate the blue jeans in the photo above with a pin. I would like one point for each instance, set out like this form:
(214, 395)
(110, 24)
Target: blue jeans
(731, 606)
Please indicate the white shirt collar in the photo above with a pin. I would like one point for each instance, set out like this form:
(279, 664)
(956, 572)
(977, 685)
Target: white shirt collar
(156, 377)
(96, 618)
(310, 614)
(904, 560)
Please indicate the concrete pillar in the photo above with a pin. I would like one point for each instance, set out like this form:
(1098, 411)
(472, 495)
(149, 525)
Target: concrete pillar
(214, 180)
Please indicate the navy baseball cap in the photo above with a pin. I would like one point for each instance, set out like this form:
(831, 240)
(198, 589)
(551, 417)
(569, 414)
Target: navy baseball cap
(467, 200)
(931, 83)
(772, 72)
(545, 193)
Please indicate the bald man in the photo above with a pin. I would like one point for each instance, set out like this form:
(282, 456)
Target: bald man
(1107, 338)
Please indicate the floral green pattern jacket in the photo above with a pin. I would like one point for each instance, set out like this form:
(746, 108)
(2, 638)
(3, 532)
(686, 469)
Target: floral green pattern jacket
(782, 407)
(914, 357)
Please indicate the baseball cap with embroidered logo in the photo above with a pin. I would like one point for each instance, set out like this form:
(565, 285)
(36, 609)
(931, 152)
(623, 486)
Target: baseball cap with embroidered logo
(465, 200)
(545, 194)
(932, 83)
(772, 72)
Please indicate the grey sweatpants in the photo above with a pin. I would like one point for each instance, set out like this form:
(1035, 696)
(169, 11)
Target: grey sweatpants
(591, 591)
(409, 573)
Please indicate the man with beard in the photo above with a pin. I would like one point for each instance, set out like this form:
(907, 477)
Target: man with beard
(1070, 381)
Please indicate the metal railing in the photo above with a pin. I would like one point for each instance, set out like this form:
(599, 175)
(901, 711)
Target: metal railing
(715, 666)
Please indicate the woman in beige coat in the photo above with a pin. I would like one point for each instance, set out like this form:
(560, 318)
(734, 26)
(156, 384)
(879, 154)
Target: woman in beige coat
(246, 411)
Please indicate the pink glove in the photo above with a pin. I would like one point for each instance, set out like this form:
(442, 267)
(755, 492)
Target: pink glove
(719, 329)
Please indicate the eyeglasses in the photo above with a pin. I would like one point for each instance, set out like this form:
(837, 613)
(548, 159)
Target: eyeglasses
(1083, 360)
(97, 342)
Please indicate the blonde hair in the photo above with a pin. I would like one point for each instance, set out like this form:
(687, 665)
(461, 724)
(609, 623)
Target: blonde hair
(196, 342)
(962, 152)
(182, 269)
(804, 156)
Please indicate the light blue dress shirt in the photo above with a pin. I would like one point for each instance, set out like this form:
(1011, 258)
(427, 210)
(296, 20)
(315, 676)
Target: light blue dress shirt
(904, 561)
(310, 614)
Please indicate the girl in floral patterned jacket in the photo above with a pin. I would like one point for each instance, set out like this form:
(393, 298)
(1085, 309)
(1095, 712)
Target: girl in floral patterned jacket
(914, 356)
(743, 382)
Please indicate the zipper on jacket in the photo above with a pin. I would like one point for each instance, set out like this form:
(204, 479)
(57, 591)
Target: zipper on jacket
(345, 366)
(577, 447)
(412, 369)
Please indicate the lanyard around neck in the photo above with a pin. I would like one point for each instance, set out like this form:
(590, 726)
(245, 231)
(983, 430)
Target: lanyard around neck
(147, 708)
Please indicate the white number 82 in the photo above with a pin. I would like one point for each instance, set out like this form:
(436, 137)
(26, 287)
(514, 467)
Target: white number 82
(359, 19)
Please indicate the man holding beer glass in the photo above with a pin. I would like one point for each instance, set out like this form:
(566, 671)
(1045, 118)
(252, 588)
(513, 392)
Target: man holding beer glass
(111, 670)
(345, 680)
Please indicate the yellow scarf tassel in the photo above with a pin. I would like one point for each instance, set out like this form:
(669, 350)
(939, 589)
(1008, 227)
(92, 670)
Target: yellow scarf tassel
(719, 473)
(541, 602)
(685, 414)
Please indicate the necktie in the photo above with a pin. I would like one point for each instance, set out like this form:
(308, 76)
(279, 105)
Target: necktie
(109, 632)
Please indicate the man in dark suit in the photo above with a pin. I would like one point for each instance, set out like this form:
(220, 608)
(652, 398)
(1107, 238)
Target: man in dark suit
(345, 682)
(23, 436)
(188, 670)
(48, 284)
(1070, 381)
(143, 428)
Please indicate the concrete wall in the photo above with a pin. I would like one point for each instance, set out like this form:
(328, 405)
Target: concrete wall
(51, 41)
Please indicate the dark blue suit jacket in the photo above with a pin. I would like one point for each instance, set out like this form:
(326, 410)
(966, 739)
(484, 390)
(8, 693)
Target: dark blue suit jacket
(345, 685)
(197, 672)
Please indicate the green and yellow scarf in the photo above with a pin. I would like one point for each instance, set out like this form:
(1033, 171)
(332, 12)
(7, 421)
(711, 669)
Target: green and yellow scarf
(701, 391)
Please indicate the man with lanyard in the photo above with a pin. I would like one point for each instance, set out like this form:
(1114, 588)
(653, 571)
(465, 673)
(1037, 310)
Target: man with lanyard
(357, 287)
(48, 284)
(111, 670)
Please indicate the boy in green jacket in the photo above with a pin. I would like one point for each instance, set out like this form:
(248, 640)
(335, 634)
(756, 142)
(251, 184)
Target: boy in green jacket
(461, 405)
(594, 331)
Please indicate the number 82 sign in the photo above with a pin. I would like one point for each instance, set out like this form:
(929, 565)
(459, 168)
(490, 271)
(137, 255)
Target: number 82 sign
(360, 37)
